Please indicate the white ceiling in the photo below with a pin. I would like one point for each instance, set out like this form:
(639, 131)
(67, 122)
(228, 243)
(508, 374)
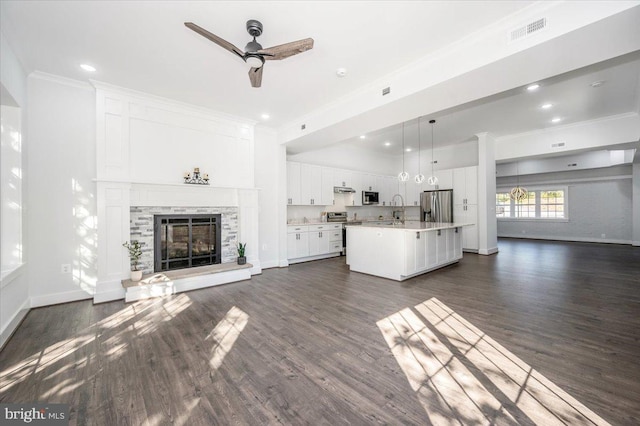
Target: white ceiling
(143, 45)
(572, 96)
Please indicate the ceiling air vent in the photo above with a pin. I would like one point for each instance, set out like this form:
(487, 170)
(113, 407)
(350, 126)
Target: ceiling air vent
(557, 145)
(386, 91)
(526, 30)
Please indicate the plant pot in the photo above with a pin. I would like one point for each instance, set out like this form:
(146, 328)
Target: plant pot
(242, 260)
(136, 275)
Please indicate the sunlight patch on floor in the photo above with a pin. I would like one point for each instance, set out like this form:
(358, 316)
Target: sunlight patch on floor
(225, 334)
(460, 374)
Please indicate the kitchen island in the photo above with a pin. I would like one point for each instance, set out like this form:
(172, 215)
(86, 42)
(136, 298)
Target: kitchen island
(401, 251)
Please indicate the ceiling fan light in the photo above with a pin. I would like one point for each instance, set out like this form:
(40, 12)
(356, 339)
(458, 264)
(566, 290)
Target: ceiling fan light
(403, 177)
(433, 180)
(419, 178)
(254, 61)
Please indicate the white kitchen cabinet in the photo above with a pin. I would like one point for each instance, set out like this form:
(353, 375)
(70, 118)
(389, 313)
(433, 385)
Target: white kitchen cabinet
(411, 193)
(293, 183)
(445, 180)
(297, 241)
(468, 213)
(356, 183)
(370, 182)
(309, 241)
(465, 185)
(326, 195)
(390, 187)
(310, 185)
(319, 239)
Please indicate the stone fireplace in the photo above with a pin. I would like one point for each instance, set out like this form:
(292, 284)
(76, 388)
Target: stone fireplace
(142, 229)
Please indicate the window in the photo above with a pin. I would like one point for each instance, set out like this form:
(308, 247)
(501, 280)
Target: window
(541, 203)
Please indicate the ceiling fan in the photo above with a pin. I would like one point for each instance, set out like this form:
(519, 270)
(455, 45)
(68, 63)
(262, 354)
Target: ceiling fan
(254, 54)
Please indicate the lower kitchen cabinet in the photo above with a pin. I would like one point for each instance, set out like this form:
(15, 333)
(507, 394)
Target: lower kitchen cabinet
(308, 242)
(468, 213)
(426, 250)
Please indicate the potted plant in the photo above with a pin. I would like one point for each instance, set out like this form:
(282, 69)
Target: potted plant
(135, 252)
(241, 257)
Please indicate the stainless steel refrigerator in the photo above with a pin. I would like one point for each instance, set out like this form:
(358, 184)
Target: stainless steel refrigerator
(436, 206)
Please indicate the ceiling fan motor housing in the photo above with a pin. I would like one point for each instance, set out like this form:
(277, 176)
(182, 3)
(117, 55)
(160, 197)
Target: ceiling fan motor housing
(254, 27)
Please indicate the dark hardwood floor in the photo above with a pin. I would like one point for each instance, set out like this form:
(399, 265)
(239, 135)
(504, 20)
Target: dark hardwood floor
(303, 345)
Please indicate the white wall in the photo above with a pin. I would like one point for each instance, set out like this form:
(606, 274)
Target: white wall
(269, 154)
(61, 197)
(343, 156)
(14, 288)
(599, 203)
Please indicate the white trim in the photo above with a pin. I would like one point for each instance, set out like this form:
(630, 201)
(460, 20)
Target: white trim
(562, 238)
(56, 298)
(40, 75)
(532, 219)
(309, 258)
(14, 322)
(488, 252)
(270, 264)
(108, 291)
(565, 181)
(636, 243)
(545, 130)
(171, 103)
(9, 276)
(181, 184)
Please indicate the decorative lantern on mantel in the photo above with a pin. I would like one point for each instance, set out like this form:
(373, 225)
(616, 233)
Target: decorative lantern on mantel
(196, 178)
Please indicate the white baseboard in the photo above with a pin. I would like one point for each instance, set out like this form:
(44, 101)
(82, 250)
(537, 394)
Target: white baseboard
(636, 243)
(488, 252)
(14, 322)
(56, 298)
(570, 239)
(108, 291)
(270, 264)
(318, 257)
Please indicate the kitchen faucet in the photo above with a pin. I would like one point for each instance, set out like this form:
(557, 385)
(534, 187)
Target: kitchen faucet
(402, 210)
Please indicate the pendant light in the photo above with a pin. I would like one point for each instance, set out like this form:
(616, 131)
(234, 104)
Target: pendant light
(433, 180)
(518, 193)
(419, 178)
(403, 176)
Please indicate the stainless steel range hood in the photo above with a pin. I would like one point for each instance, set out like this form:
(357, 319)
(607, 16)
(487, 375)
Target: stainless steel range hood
(343, 190)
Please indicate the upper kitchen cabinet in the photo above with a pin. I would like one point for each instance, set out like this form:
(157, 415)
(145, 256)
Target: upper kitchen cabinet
(293, 183)
(445, 179)
(412, 192)
(327, 186)
(310, 185)
(370, 182)
(465, 185)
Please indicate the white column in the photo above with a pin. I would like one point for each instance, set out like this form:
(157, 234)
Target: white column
(635, 201)
(487, 222)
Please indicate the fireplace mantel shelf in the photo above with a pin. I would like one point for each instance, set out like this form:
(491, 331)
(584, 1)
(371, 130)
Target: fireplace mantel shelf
(181, 184)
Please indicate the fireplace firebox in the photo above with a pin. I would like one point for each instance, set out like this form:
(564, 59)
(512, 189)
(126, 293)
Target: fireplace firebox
(186, 241)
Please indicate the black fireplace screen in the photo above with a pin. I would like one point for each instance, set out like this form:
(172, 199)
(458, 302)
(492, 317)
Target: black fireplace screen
(185, 241)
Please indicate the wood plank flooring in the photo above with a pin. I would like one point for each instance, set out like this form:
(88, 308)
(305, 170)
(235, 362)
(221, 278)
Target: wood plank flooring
(301, 345)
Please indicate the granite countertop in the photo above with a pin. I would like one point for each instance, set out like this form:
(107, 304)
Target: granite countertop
(415, 225)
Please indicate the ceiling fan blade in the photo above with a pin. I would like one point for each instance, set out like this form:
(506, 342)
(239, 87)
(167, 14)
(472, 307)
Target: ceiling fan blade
(255, 75)
(283, 51)
(214, 38)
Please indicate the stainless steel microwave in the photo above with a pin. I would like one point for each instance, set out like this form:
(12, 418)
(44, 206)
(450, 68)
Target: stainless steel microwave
(369, 197)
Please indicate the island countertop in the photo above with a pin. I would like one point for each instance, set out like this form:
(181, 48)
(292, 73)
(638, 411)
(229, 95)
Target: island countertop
(413, 225)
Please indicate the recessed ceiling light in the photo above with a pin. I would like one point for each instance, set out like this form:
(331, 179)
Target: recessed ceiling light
(556, 120)
(408, 149)
(362, 136)
(265, 116)
(387, 144)
(597, 83)
(88, 68)
(546, 106)
(341, 72)
(533, 87)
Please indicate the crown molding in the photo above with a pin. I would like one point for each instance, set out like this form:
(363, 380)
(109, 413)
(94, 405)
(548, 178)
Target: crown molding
(40, 75)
